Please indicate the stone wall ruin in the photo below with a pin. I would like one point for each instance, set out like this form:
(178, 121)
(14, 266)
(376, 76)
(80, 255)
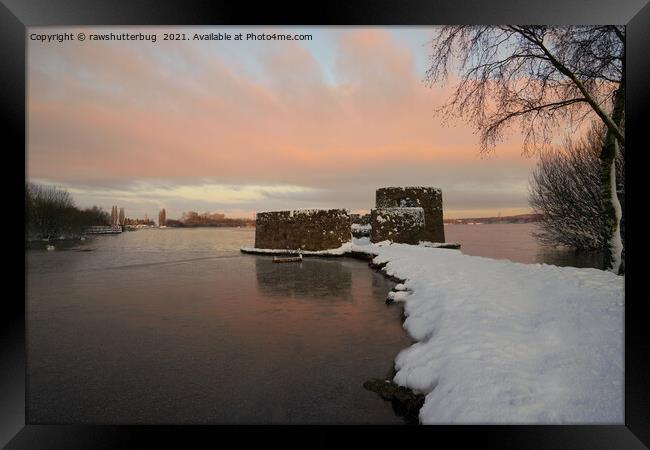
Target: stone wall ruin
(307, 229)
(402, 225)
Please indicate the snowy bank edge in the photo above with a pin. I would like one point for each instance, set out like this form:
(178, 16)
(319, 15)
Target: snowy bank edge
(413, 369)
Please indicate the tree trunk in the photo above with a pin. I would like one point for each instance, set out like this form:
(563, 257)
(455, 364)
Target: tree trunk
(611, 206)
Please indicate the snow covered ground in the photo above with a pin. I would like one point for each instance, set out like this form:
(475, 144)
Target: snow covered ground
(507, 343)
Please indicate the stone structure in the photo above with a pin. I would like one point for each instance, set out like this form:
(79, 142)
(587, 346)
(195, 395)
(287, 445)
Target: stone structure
(428, 198)
(308, 229)
(402, 225)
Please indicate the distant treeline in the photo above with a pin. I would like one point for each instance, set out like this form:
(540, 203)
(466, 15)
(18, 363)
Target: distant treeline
(207, 219)
(521, 218)
(51, 213)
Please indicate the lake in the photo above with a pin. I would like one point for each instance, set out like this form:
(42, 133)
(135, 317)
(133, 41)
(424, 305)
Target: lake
(177, 326)
(163, 326)
(516, 242)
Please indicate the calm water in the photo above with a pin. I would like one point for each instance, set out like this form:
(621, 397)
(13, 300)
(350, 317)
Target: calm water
(176, 326)
(516, 243)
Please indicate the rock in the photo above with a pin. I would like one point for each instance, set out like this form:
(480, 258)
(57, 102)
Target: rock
(377, 266)
(406, 402)
(362, 256)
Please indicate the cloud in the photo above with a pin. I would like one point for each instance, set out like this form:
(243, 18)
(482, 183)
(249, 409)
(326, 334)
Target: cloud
(153, 122)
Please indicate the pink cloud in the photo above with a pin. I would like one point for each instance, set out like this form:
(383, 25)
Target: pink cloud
(119, 112)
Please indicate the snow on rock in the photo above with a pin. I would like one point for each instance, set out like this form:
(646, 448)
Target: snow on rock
(503, 342)
(398, 296)
(360, 227)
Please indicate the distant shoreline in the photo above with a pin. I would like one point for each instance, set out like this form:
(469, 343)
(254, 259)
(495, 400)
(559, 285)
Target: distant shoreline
(520, 218)
(210, 226)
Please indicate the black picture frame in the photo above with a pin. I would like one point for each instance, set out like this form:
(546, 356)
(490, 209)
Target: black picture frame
(16, 15)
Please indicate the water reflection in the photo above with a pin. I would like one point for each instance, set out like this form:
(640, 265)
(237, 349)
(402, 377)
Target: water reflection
(516, 243)
(312, 278)
(569, 257)
(191, 335)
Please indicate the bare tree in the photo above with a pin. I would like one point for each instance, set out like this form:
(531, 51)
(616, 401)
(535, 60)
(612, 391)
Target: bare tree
(50, 212)
(46, 209)
(565, 190)
(541, 78)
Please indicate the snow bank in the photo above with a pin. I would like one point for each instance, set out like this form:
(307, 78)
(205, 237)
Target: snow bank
(360, 241)
(503, 342)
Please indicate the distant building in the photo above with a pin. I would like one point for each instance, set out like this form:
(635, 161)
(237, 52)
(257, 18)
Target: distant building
(162, 218)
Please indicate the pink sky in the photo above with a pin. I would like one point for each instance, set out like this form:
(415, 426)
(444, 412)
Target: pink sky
(239, 127)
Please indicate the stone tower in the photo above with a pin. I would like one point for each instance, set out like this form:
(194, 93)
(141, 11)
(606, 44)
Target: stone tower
(427, 198)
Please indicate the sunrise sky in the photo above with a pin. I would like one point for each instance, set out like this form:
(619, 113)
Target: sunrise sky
(240, 126)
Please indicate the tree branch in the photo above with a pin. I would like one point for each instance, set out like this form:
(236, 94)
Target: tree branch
(564, 70)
